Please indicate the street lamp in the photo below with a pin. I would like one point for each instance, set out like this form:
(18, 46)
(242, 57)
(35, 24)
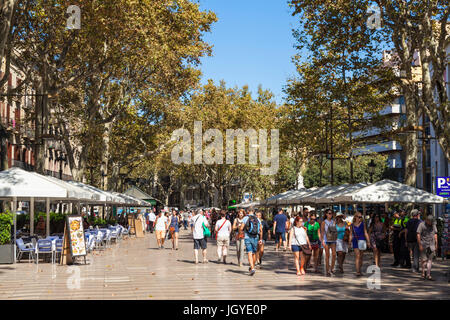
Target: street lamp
(103, 174)
(61, 157)
(372, 166)
(91, 168)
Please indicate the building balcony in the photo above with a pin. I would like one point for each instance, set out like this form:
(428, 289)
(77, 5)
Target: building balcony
(381, 147)
(7, 123)
(27, 132)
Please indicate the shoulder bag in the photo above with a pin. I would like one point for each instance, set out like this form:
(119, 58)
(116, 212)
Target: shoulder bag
(206, 231)
(220, 228)
(239, 235)
(305, 248)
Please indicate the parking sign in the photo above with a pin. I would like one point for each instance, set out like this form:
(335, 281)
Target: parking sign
(443, 186)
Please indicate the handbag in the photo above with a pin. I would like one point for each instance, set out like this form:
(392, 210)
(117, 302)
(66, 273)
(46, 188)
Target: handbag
(346, 235)
(305, 247)
(362, 244)
(239, 235)
(306, 250)
(206, 231)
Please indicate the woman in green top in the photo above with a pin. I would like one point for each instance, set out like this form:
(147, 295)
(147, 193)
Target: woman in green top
(315, 237)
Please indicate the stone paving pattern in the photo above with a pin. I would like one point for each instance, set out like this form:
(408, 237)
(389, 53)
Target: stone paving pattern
(137, 269)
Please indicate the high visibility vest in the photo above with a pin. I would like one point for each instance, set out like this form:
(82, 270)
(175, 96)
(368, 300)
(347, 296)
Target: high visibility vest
(397, 223)
(404, 221)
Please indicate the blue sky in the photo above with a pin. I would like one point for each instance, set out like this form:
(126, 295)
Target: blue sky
(253, 44)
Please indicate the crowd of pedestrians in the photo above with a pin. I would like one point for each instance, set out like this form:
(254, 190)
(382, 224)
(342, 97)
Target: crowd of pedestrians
(307, 236)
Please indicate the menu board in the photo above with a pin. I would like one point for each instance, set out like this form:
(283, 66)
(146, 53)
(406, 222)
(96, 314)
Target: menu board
(76, 236)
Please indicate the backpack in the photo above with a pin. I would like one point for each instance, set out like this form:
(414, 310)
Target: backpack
(251, 226)
(332, 233)
(411, 234)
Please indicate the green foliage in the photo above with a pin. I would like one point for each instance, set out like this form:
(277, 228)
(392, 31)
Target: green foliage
(6, 220)
(318, 175)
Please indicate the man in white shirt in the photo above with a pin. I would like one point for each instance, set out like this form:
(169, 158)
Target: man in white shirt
(197, 232)
(151, 219)
(223, 231)
(161, 226)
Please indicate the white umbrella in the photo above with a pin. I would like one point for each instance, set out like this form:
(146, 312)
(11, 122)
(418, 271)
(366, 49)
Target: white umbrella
(388, 191)
(73, 192)
(274, 199)
(102, 196)
(23, 185)
(296, 196)
(19, 185)
(328, 196)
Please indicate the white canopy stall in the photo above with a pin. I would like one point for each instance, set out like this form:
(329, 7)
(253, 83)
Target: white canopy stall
(19, 185)
(245, 205)
(388, 191)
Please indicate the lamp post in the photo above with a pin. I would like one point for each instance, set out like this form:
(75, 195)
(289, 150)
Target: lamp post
(371, 166)
(122, 178)
(91, 168)
(103, 174)
(60, 158)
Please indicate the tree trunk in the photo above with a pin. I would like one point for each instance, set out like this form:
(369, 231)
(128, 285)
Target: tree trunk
(411, 146)
(41, 125)
(6, 16)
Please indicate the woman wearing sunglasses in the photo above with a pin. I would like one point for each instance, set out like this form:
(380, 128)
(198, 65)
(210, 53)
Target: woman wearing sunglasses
(359, 237)
(315, 237)
(329, 232)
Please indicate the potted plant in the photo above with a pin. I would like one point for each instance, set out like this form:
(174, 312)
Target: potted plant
(6, 247)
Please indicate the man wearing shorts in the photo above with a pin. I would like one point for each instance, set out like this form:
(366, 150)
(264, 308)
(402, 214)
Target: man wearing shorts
(160, 229)
(279, 229)
(253, 231)
(428, 243)
(197, 231)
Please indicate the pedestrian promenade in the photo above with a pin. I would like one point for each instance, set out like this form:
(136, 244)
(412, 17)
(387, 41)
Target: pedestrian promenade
(136, 269)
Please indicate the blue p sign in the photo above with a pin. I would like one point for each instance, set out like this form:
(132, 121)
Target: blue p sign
(443, 186)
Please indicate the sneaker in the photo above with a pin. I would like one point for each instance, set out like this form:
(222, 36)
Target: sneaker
(252, 272)
(162, 247)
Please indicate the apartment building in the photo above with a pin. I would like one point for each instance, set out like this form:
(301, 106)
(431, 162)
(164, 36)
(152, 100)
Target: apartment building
(18, 128)
(431, 160)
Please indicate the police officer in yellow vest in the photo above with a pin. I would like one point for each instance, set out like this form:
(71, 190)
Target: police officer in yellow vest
(396, 227)
(405, 258)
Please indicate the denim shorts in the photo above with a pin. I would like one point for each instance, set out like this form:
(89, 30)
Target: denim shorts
(251, 244)
(200, 243)
(296, 248)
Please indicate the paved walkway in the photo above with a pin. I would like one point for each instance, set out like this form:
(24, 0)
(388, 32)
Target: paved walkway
(136, 269)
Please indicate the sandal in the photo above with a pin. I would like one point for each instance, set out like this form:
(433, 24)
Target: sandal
(430, 278)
